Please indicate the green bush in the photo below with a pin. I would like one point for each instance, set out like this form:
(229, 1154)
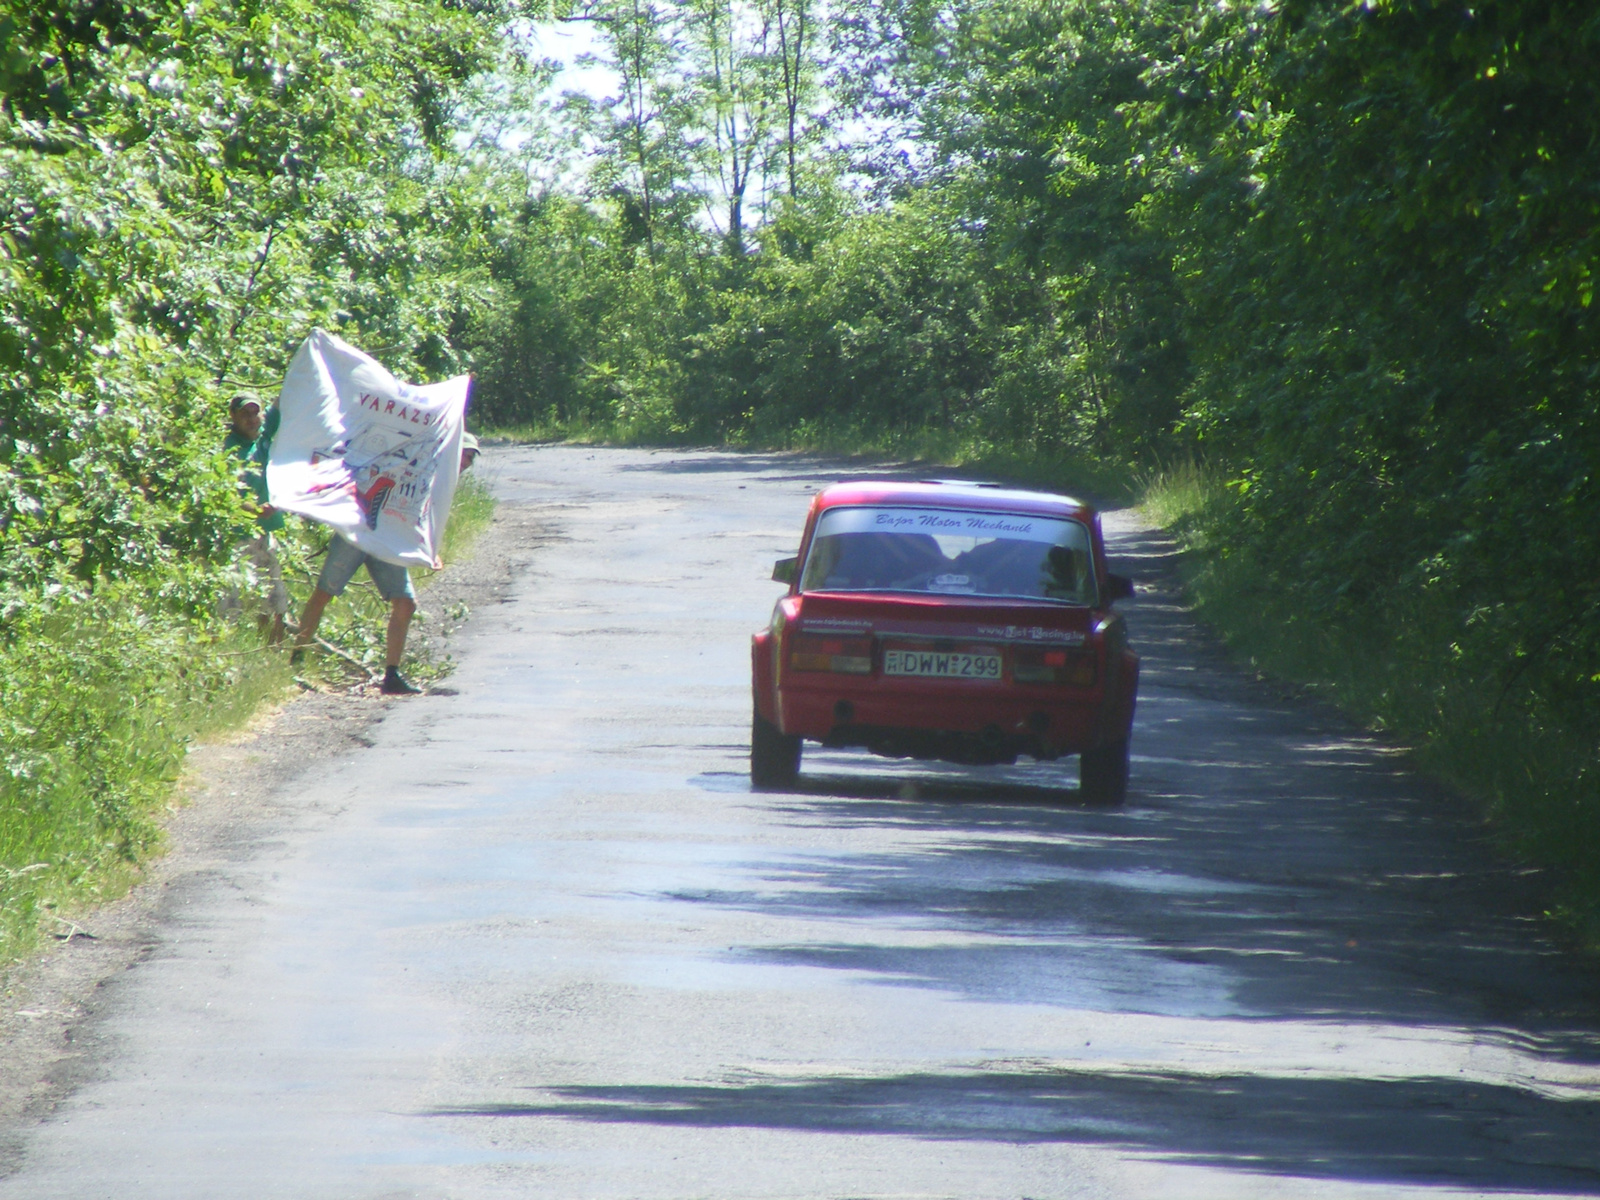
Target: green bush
(100, 698)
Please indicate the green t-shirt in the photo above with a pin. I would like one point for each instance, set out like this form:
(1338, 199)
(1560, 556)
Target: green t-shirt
(254, 457)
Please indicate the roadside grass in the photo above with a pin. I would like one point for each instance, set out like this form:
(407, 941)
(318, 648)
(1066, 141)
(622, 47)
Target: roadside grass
(100, 700)
(101, 697)
(471, 513)
(1180, 494)
(1402, 671)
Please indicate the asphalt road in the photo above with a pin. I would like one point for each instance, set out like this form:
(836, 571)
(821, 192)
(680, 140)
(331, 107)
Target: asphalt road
(541, 940)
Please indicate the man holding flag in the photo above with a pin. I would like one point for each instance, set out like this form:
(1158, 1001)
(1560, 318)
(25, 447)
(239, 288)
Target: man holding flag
(377, 461)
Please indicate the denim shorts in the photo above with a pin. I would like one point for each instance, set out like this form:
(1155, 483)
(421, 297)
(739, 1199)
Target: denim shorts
(344, 559)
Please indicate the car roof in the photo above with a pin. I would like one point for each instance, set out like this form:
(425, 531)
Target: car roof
(953, 493)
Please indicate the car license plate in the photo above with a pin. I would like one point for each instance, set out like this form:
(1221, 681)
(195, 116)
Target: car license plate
(941, 664)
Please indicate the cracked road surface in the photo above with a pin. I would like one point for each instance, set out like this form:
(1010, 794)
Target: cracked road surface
(541, 940)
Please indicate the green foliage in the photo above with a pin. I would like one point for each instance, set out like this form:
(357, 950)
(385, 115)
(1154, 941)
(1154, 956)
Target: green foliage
(182, 196)
(592, 324)
(97, 703)
(992, 298)
(1401, 376)
(471, 512)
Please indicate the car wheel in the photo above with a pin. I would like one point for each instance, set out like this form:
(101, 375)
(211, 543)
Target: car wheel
(1103, 774)
(774, 756)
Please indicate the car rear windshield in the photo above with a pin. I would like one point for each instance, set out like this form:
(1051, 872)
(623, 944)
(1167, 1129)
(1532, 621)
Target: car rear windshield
(948, 552)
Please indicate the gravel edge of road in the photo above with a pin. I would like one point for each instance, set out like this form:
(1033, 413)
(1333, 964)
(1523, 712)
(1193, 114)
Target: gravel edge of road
(49, 1005)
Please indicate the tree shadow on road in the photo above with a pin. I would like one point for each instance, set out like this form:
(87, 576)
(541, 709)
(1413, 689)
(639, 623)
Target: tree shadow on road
(1241, 901)
(1418, 1131)
(1179, 906)
(1174, 907)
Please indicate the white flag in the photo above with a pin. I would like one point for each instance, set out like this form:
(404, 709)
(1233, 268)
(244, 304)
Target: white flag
(357, 449)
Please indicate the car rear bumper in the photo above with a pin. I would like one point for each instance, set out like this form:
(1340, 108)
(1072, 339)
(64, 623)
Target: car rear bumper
(963, 724)
(956, 721)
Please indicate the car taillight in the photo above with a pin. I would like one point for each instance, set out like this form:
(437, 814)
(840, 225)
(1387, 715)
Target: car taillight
(811, 652)
(1075, 668)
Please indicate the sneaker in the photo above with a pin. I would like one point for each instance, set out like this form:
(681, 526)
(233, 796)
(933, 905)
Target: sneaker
(396, 684)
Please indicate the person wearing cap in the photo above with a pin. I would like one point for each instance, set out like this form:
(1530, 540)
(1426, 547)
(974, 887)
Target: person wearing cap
(250, 440)
(394, 585)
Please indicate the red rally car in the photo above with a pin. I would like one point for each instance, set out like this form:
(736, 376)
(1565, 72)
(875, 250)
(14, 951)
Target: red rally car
(952, 621)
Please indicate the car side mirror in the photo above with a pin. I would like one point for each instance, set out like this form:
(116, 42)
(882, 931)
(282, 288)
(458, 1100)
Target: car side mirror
(783, 570)
(1118, 587)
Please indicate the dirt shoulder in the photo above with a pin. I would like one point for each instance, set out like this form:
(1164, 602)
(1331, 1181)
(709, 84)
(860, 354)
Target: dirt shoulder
(47, 1005)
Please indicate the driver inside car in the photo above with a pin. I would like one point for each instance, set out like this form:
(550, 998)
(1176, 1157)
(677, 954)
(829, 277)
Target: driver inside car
(874, 560)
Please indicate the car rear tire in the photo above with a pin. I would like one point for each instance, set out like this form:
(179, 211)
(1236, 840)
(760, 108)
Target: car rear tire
(774, 756)
(1103, 774)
